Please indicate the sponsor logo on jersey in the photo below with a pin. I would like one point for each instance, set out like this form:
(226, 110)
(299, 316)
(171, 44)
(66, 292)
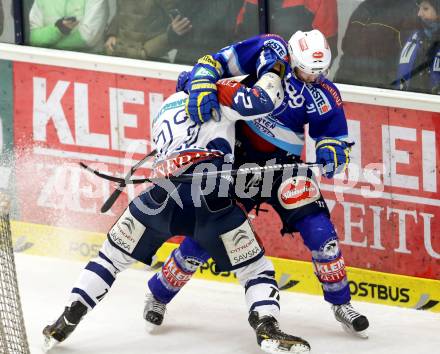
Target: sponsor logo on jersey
(240, 236)
(298, 191)
(320, 99)
(175, 164)
(277, 46)
(241, 244)
(170, 105)
(127, 232)
(330, 272)
(333, 92)
(128, 223)
(264, 125)
(379, 291)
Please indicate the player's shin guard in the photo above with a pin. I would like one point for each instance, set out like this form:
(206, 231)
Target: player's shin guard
(261, 288)
(320, 237)
(175, 273)
(99, 275)
(93, 284)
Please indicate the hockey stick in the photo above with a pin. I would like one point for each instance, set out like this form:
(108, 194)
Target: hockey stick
(190, 176)
(122, 182)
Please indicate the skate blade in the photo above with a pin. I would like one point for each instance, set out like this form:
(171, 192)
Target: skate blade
(273, 346)
(361, 334)
(151, 328)
(48, 344)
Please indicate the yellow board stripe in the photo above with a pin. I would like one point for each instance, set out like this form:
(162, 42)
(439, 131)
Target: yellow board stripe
(292, 275)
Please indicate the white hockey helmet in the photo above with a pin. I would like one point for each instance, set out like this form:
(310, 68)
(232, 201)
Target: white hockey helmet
(310, 52)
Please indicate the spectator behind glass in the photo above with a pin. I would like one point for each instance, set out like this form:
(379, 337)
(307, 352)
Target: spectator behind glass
(419, 65)
(1, 17)
(289, 16)
(68, 24)
(373, 41)
(142, 29)
(212, 28)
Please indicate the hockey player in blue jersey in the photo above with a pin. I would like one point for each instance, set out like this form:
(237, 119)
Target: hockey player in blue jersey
(309, 99)
(211, 218)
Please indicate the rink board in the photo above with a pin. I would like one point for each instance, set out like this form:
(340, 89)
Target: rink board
(292, 275)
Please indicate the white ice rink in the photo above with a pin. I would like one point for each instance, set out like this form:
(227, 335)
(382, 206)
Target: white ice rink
(206, 318)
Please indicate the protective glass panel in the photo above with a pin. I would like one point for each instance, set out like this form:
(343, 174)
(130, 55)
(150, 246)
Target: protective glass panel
(7, 32)
(392, 44)
(176, 31)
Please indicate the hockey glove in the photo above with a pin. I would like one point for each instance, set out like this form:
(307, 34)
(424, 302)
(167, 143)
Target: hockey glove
(183, 81)
(202, 103)
(333, 155)
(269, 61)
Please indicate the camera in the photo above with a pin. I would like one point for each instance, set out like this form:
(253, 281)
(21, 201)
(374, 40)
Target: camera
(174, 13)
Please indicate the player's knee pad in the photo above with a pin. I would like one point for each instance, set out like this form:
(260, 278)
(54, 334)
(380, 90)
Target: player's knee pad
(261, 288)
(316, 230)
(126, 233)
(113, 256)
(249, 272)
(191, 254)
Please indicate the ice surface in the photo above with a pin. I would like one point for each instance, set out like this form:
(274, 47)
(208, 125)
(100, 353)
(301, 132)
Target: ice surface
(206, 317)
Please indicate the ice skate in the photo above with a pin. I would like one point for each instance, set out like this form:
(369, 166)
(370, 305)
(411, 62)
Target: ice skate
(58, 331)
(154, 312)
(351, 320)
(272, 340)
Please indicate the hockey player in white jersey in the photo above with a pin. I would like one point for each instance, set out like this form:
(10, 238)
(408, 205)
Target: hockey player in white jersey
(309, 99)
(213, 219)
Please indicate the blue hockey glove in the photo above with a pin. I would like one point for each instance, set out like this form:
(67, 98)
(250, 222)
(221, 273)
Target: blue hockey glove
(183, 81)
(333, 155)
(270, 61)
(202, 103)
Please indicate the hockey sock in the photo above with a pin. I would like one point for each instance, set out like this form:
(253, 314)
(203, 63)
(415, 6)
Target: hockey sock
(98, 276)
(261, 289)
(177, 270)
(320, 237)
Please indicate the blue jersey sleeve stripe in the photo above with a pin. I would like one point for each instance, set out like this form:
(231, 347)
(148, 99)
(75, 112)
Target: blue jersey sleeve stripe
(292, 148)
(231, 59)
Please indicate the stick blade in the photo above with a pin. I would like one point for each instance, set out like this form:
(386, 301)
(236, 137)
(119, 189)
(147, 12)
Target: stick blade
(112, 199)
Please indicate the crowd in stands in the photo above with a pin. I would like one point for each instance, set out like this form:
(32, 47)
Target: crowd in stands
(393, 44)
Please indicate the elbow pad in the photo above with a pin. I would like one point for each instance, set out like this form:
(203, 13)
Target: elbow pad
(270, 83)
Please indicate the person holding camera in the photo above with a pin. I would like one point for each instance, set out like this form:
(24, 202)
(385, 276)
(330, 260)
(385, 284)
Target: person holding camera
(145, 29)
(68, 24)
